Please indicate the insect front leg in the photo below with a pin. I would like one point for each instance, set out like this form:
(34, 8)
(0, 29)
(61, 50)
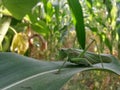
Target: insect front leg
(59, 70)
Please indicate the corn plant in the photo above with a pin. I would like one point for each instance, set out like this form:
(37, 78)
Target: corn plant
(47, 19)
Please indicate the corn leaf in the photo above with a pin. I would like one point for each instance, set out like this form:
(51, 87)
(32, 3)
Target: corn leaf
(19, 72)
(79, 25)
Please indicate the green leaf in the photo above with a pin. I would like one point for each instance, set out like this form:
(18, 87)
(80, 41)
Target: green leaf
(78, 14)
(108, 44)
(40, 27)
(20, 72)
(57, 14)
(4, 25)
(109, 6)
(89, 3)
(19, 8)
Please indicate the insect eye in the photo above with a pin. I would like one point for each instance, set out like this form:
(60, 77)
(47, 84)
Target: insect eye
(62, 49)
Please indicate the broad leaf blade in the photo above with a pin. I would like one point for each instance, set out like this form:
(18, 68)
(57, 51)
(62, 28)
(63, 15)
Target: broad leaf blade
(19, 8)
(19, 72)
(20, 67)
(79, 25)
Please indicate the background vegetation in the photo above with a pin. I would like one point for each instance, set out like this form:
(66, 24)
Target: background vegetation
(40, 31)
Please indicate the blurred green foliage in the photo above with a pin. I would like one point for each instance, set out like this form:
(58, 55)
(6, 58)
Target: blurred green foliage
(60, 24)
(57, 20)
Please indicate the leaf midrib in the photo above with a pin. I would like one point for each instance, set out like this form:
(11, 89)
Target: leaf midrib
(28, 78)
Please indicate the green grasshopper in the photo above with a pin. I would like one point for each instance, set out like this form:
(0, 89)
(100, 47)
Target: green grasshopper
(82, 57)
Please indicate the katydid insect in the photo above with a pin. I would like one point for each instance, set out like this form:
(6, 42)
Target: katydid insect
(82, 57)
